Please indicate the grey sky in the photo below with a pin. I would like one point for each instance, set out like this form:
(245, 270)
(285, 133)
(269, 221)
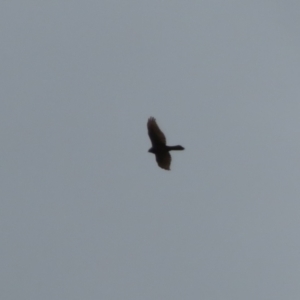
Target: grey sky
(85, 211)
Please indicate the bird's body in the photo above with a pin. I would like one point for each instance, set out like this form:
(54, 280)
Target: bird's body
(159, 146)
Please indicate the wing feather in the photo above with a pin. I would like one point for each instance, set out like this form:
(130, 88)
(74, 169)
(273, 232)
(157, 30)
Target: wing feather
(155, 134)
(163, 160)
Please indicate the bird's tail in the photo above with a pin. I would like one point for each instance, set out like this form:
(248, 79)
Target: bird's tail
(178, 147)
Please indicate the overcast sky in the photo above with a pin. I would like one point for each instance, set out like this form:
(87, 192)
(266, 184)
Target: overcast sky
(85, 211)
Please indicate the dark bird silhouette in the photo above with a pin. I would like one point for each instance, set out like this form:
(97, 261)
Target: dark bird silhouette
(159, 145)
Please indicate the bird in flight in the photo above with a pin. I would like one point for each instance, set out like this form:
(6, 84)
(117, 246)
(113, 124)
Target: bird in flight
(159, 145)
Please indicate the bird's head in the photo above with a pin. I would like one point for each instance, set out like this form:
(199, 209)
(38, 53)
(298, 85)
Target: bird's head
(151, 150)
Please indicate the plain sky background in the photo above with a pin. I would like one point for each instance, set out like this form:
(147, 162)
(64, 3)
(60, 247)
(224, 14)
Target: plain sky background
(85, 211)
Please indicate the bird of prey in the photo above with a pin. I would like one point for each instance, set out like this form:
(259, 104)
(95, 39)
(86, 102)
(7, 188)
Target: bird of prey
(159, 146)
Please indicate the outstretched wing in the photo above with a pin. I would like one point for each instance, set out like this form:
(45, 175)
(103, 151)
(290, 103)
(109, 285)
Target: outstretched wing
(163, 159)
(155, 134)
